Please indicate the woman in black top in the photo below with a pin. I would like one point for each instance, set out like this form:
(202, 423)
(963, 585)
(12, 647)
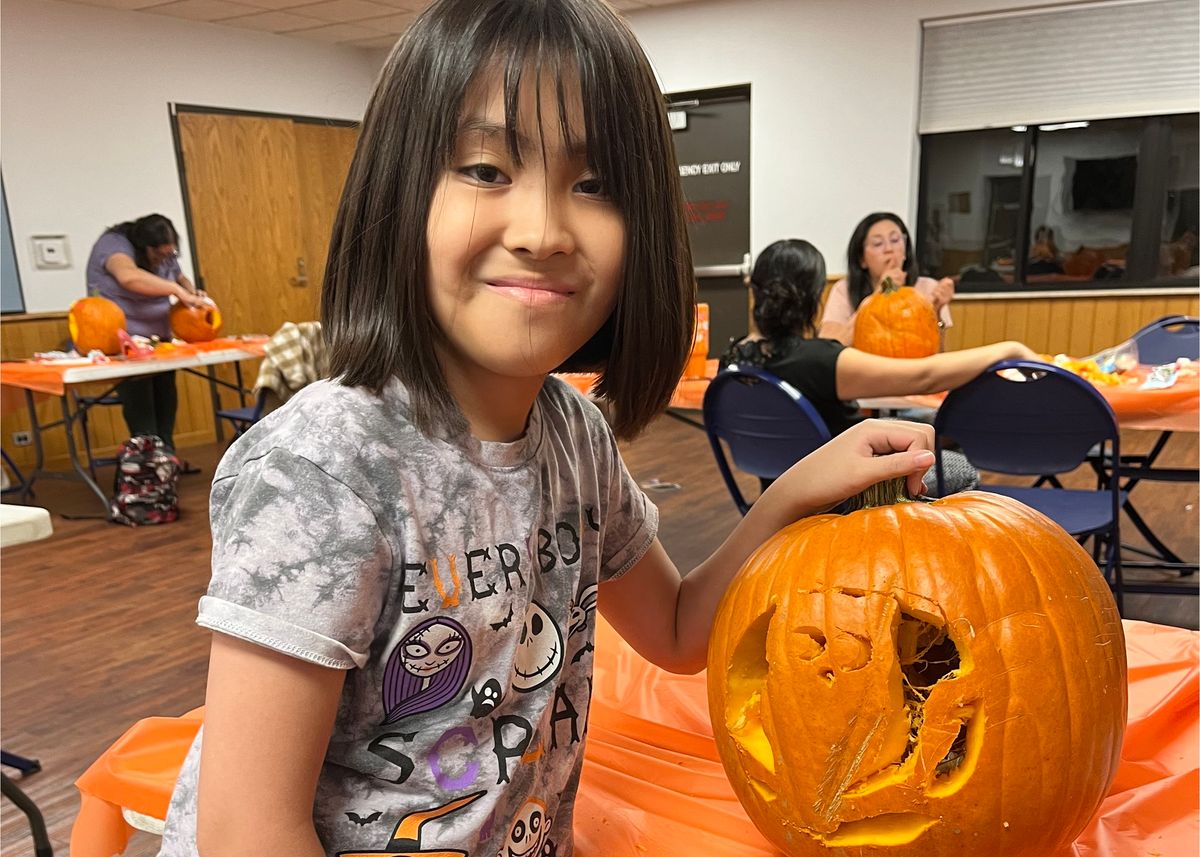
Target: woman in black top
(787, 282)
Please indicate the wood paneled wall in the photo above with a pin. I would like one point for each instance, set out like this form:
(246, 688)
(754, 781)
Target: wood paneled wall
(22, 335)
(1061, 325)
(1074, 326)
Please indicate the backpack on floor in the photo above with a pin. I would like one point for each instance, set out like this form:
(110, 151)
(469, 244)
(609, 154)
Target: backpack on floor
(146, 483)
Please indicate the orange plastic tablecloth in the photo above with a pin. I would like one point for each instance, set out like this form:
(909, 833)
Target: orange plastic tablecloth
(653, 785)
(1176, 408)
(689, 392)
(48, 377)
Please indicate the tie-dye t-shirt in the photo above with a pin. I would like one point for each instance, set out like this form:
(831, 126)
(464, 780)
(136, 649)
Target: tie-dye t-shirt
(455, 580)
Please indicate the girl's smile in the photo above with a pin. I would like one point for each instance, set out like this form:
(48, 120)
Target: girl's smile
(533, 293)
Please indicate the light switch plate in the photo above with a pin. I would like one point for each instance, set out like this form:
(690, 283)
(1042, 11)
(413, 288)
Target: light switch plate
(51, 252)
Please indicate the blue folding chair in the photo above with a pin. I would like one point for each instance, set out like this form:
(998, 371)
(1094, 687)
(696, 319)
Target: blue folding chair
(244, 417)
(1168, 339)
(1161, 341)
(767, 424)
(1040, 426)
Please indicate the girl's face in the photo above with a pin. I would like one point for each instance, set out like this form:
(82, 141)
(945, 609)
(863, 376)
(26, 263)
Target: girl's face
(883, 250)
(525, 260)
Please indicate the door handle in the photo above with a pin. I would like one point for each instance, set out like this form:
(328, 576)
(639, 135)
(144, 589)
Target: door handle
(741, 269)
(301, 278)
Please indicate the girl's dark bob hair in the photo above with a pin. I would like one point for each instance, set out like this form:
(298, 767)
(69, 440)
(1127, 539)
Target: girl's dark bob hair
(860, 286)
(375, 304)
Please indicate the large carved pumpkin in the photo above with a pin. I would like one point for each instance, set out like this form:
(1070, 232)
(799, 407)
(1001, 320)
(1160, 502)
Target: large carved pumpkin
(94, 323)
(897, 322)
(196, 324)
(919, 678)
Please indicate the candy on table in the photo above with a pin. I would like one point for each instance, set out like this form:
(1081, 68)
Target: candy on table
(1087, 369)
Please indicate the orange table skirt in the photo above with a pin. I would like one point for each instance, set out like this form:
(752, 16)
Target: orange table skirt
(1176, 408)
(48, 377)
(653, 783)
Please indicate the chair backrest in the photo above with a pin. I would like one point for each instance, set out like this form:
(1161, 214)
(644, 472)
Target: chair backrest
(1043, 424)
(767, 424)
(1169, 338)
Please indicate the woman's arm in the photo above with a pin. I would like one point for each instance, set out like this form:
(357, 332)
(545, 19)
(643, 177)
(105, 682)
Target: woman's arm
(142, 282)
(267, 722)
(667, 619)
(863, 376)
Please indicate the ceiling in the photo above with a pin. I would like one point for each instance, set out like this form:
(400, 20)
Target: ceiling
(360, 23)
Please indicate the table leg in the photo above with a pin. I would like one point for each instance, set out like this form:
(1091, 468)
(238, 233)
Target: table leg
(69, 421)
(39, 454)
(215, 396)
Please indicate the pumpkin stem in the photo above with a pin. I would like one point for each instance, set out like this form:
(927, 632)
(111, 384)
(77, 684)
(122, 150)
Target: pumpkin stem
(888, 286)
(890, 492)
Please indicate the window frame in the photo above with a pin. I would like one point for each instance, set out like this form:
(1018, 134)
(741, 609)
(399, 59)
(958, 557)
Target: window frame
(1150, 190)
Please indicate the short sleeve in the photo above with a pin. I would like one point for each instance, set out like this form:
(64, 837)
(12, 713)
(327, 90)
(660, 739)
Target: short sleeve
(629, 521)
(109, 244)
(299, 563)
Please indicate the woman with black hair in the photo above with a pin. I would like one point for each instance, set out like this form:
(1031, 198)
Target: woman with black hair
(134, 265)
(880, 249)
(787, 282)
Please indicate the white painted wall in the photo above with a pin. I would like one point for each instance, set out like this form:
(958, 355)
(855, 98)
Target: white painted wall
(86, 131)
(834, 96)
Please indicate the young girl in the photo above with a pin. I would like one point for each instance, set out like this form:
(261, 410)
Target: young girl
(787, 282)
(879, 248)
(407, 559)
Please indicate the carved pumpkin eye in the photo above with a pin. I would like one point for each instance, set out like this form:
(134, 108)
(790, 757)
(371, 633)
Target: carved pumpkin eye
(892, 676)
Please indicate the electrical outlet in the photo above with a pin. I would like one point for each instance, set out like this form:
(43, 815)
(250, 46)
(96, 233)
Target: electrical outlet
(22, 438)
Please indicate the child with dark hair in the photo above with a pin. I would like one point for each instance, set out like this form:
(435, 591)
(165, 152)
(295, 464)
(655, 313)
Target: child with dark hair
(787, 282)
(133, 264)
(407, 558)
(880, 248)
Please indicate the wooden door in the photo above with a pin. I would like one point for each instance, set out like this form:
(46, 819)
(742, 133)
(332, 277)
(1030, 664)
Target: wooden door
(245, 215)
(262, 194)
(323, 154)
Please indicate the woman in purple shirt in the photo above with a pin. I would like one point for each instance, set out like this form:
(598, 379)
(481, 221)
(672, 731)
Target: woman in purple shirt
(134, 265)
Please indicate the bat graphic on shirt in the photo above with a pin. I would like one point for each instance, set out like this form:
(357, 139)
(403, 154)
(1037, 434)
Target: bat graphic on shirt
(496, 626)
(361, 820)
(584, 649)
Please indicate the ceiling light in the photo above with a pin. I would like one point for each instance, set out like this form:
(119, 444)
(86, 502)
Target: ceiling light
(1063, 126)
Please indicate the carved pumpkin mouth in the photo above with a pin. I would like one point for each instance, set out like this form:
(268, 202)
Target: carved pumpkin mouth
(922, 655)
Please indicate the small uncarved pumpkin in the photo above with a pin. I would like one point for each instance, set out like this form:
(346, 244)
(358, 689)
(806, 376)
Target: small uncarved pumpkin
(918, 678)
(94, 323)
(897, 322)
(196, 324)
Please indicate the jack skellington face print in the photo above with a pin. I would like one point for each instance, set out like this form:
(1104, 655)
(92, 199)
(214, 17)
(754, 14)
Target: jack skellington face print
(539, 650)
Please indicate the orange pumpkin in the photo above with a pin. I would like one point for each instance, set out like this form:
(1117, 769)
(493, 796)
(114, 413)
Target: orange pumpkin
(941, 678)
(196, 324)
(94, 323)
(897, 322)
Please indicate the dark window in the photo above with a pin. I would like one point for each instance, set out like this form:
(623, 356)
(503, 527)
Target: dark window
(1063, 205)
